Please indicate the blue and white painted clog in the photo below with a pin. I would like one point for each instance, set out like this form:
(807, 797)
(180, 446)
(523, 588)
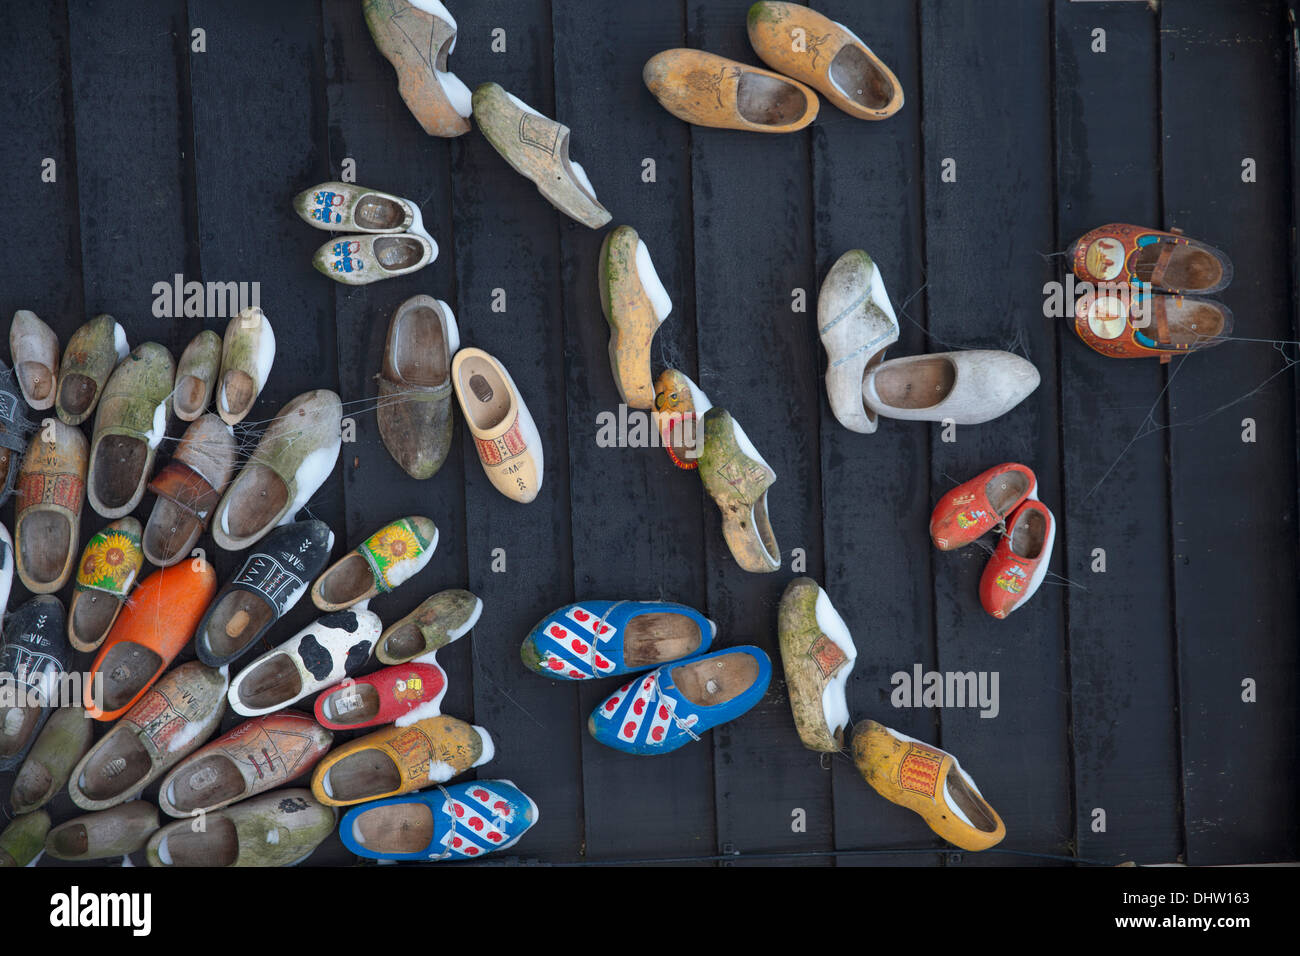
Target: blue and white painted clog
(606, 638)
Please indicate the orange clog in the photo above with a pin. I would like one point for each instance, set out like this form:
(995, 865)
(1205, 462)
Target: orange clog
(976, 507)
(709, 90)
(1019, 563)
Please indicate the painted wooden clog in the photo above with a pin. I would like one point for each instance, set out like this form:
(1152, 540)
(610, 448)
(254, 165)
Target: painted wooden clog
(969, 387)
(23, 839)
(382, 562)
(256, 756)
(415, 385)
(635, 303)
(328, 650)
(401, 694)
(1138, 325)
(417, 37)
(537, 147)
(34, 653)
(606, 638)
(89, 359)
(440, 619)
(799, 42)
(709, 90)
(247, 354)
(196, 375)
(275, 575)
(818, 653)
(1019, 562)
(504, 432)
(188, 488)
(34, 349)
(361, 259)
(47, 514)
(737, 478)
(976, 507)
(295, 455)
(397, 760)
(280, 828)
(1121, 252)
(62, 743)
(157, 621)
(461, 821)
(680, 405)
(15, 431)
(107, 834)
(171, 720)
(347, 207)
(659, 712)
(130, 424)
(928, 781)
(110, 564)
(856, 323)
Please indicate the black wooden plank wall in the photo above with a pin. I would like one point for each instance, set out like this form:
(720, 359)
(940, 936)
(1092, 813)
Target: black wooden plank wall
(1120, 691)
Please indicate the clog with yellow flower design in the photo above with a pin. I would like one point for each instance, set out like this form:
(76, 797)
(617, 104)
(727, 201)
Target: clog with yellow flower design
(383, 561)
(109, 567)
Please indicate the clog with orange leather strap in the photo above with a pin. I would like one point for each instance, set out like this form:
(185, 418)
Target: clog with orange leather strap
(1168, 261)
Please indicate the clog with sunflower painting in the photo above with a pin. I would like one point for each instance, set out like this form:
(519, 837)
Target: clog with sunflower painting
(379, 564)
(109, 567)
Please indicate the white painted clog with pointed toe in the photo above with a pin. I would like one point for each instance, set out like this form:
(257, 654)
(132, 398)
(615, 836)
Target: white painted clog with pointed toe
(967, 387)
(856, 323)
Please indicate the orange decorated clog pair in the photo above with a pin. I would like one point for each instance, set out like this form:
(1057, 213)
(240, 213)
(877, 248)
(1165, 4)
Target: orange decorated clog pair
(1005, 496)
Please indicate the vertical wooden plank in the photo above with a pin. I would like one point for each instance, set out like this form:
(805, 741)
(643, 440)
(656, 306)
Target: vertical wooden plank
(1224, 83)
(762, 362)
(506, 238)
(989, 109)
(1122, 689)
(868, 196)
(636, 518)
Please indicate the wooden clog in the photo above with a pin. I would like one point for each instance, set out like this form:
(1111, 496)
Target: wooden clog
(928, 781)
(90, 357)
(1121, 252)
(34, 654)
(635, 303)
(1136, 325)
(401, 694)
(969, 387)
(23, 839)
(361, 259)
(856, 323)
(196, 375)
(799, 42)
(7, 563)
(976, 507)
(818, 653)
(709, 90)
(323, 653)
(107, 834)
(188, 489)
(15, 430)
(680, 405)
(537, 147)
(1019, 563)
(171, 720)
(34, 349)
(247, 354)
(505, 436)
(416, 37)
(62, 743)
(275, 829)
(157, 621)
(258, 755)
(110, 563)
(415, 385)
(379, 564)
(276, 574)
(130, 424)
(295, 455)
(397, 760)
(737, 478)
(439, 620)
(47, 515)
(347, 207)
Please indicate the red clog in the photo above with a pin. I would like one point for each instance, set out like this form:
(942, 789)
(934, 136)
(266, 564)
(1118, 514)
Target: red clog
(976, 507)
(1020, 561)
(412, 691)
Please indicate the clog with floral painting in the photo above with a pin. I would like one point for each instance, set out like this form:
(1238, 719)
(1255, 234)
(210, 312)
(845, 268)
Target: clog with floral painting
(1120, 252)
(109, 565)
(384, 560)
(976, 507)
(1019, 562)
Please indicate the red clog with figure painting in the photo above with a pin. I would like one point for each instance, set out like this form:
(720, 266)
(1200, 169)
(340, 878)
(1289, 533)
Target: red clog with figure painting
(1020, 561)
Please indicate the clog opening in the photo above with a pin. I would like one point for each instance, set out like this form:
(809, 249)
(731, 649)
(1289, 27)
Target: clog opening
(31, 786)
(254, 502)
(716, 680)
(396, 828)
(920, 384)
(968, 804)
(37, 379)
(217, 845)
(1193, 323)
(347, 582)
(77, 393)
(362, 775)
(420, 351)
(170, 532)
(17, 723)
(856, 76)
(658, 637)
(236, 621)
(1190, 268)
(769, 101)
(119, 467)
(395, 253)
(44, 542)
(270, 684)
(485, 395)
(190, 396)
(117, 767)
(68, 842)
(404, 642)
(238, 392)
(1028, 535)
(1006, 488)
(353, 704)
(92, 615)
(376, 212)
(205, 783)
(128, 668)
